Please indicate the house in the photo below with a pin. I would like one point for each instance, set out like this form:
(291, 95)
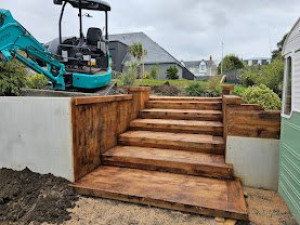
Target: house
(289, 166)
(202, 68)
(257, 61)
(156, 55)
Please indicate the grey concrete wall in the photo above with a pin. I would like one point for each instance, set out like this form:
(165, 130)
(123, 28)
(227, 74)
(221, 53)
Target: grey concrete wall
(36, 132)
(255, 160)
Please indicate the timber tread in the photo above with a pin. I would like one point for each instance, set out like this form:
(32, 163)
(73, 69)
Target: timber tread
(187, 193)
(180, 126)
(191, 104)
(176, 161)
(181, 141)
(181, 114)
(183, 98)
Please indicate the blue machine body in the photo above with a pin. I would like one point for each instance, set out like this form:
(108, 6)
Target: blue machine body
(15, 39)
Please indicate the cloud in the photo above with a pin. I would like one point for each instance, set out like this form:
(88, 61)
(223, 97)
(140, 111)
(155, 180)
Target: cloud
(190, 29)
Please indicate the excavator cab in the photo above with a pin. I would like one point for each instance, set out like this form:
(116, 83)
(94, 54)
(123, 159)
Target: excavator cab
(82, 62)
(87, 54)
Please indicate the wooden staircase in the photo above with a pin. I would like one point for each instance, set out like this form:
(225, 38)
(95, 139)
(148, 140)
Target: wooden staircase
(172, 157)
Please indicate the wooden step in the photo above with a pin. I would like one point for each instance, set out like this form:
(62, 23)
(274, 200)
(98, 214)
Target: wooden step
(178, 126)
(181, 114)
(175, 161)
(185, 98)
(207, 196)
(185, 105)
(178, 141)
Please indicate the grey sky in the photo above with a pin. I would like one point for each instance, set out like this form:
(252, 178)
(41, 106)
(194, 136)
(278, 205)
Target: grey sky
(189, 29)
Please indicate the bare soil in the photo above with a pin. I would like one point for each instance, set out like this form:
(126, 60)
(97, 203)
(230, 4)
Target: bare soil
(26, 196)
(30, 198)
(166, 90)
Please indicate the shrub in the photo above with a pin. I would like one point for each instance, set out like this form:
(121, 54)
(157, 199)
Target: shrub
(154, 72)
(196, 89)
(214, 85)
(172, 73)
(37, 81)
(128, 79)
(12, 78)
(239, 90)
(263, 96)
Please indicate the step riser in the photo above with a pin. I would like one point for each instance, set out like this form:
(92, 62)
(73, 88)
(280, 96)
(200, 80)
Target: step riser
(184, 105)
(179, 116)
(159, 204)
(201, 130)
(176, 145)
(198, 99)
(172, 167)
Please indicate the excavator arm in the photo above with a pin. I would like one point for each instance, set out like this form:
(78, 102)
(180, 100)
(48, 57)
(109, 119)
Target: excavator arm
(14, 39)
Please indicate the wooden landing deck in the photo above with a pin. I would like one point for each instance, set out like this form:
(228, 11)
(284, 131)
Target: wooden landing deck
(193, 194)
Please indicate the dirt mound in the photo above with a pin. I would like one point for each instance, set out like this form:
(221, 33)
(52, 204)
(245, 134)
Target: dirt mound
(166, 89)
(26, 196)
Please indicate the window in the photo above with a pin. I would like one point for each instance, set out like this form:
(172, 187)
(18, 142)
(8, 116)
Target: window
(288, 87)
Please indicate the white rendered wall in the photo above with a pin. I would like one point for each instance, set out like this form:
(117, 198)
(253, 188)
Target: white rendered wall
(36, 132)
(255, 160)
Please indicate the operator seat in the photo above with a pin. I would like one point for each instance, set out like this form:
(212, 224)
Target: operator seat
(94, 35)
(96, 43)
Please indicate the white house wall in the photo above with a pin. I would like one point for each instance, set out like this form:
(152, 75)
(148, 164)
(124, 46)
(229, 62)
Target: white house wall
(36, 132)
(255, 160)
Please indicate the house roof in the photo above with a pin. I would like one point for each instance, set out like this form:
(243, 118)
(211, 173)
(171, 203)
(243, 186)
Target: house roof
(197, 63)
(155, 53)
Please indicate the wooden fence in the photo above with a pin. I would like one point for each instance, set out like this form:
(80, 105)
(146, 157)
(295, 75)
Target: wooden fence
(97, 122)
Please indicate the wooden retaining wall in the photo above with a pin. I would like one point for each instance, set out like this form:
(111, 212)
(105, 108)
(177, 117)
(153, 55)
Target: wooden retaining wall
(97, 122)
(249, 120)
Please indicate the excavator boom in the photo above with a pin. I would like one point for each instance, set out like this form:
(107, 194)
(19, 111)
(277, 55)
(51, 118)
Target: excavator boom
(15, 39)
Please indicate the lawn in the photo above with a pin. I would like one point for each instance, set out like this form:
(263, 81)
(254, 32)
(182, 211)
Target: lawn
(181, 84)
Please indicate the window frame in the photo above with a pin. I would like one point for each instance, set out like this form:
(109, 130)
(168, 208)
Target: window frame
(288, 116)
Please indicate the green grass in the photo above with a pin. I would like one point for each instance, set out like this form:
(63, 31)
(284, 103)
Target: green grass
(181, 84)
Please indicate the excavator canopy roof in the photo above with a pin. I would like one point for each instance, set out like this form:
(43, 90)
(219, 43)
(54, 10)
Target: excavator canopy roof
(97, 5)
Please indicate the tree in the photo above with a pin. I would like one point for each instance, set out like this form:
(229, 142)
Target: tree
(138, 52)
(230, 62)
(270, 75)
(12, 78)
(276, 53)
(172, 73)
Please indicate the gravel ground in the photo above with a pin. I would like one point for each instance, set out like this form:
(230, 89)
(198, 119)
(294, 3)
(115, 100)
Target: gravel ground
(30, 198)
(265, 208)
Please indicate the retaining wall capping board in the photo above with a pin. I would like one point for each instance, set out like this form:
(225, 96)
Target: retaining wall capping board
(101, 99)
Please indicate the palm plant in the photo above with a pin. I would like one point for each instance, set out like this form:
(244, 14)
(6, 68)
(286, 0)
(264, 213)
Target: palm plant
(138, 52)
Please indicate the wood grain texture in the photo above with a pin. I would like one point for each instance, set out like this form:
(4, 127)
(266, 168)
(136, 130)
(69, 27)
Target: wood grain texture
(175, 161)
(194, 194)
(96, 127)
(140, 96)
(251, 121)
(189, 142)
(183, 98)
(209, 105)
(181, 114)
(178, 126)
